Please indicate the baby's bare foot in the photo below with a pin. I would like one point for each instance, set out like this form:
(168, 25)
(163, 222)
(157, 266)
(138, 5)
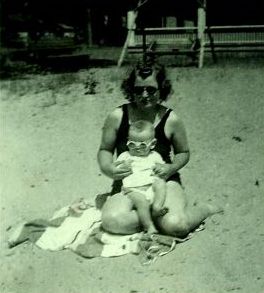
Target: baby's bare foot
(159, 212)
(152, 230)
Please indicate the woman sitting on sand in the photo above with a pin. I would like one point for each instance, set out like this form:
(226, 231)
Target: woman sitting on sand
(146, 88)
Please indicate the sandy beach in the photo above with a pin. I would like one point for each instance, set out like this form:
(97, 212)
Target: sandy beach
(50, 132)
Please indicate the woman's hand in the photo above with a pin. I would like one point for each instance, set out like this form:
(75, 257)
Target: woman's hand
(164, 171)
(120, 169)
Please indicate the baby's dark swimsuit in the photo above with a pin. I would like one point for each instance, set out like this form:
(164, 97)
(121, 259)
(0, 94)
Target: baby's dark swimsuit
(163, 145)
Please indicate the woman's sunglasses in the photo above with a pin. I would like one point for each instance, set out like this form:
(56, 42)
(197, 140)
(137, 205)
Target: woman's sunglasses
(139, 90)
(139, 144)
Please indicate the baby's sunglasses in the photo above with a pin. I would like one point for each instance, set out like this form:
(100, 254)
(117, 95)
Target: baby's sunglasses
(139, 144)
(139, 90)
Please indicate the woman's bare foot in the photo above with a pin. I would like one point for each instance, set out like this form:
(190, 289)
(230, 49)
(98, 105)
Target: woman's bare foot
(210, 208)
(214, 209)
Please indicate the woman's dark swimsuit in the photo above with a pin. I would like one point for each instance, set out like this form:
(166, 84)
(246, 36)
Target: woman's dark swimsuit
(163, 145)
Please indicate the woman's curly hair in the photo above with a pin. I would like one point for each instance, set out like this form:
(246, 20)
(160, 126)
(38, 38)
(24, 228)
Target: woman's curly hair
(144, 70)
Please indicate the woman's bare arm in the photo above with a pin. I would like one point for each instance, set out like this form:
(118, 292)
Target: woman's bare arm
(177, 134)
(107, 148)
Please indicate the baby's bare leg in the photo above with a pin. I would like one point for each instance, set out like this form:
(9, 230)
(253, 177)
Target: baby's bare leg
(159, 190)
(143, 211)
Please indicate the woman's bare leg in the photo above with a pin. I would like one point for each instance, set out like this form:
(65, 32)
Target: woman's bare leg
(119, 217)
(181, 218)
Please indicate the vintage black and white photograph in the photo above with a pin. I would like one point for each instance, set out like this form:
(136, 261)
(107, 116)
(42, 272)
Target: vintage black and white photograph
(131, 146)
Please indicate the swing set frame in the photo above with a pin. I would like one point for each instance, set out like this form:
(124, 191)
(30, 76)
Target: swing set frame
(193, 41)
